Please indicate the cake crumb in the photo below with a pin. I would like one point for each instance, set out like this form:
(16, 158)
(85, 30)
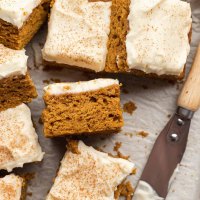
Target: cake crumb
(72, 145)
(125, 189)
(117, 146)
(142, 134)
(129, 107)
(134, 171)
(120, 155)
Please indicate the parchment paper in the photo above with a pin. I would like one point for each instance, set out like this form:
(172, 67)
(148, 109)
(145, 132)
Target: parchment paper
(155, 101)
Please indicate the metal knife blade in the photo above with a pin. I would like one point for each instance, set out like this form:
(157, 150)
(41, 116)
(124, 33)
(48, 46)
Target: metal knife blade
(170, 145)
(166, 154)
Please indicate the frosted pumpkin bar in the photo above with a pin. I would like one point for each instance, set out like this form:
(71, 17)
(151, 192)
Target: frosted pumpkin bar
(12, 187)
(86, 173)
(16, 86)
(20, 20)
(83, 107)
(142, 37)
(18, 139)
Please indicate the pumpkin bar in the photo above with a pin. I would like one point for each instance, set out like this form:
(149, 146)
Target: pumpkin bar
(16, 85)
(86, 173)
(12, 187)
(88, 107)
(149, 38)
(20, 20)
(18, 139)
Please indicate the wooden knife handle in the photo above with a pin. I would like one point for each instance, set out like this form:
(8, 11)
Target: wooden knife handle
(190, 94)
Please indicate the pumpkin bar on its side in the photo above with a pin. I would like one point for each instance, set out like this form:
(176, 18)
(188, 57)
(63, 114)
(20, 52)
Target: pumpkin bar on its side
(87, 107)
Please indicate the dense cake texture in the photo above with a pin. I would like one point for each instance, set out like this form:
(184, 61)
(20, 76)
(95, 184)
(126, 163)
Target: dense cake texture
(116, 57)
(18, 139)
(19, 21)
(16, 85)
(89, 174)
(82, 41)
(83, 107)
(12, 187)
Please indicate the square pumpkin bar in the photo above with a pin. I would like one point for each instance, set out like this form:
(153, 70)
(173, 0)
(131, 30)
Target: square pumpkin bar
(86, 173)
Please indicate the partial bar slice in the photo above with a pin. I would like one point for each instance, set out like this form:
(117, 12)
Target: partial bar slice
(18, 139)
(86, 173)
(16, 86)
(12, 187)
(20, 20)
(83, 107)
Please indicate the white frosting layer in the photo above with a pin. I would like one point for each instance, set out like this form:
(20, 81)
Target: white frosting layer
(12, 62)
(82, 41)
(17, 12)
(11, 187)
(18, 139)
(78, 87)
(157, 41)
(145, 192)
(89, 175)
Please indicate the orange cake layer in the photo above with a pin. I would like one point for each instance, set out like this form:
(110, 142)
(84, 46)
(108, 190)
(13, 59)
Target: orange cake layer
(17, 38)
(87, 112)
(16, 89)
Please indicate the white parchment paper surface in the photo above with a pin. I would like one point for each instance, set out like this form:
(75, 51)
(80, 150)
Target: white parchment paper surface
(155, 101)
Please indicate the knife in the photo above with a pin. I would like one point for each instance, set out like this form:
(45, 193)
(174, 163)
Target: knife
(170, 145)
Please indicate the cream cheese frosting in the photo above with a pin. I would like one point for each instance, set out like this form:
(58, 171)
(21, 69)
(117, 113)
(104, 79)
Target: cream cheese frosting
(18, 139)
(11, 187)
(12, 62)
(145, 192)
(78, 87)
(157, 41)
(78, 33)
(17, 12)
(89, 175)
